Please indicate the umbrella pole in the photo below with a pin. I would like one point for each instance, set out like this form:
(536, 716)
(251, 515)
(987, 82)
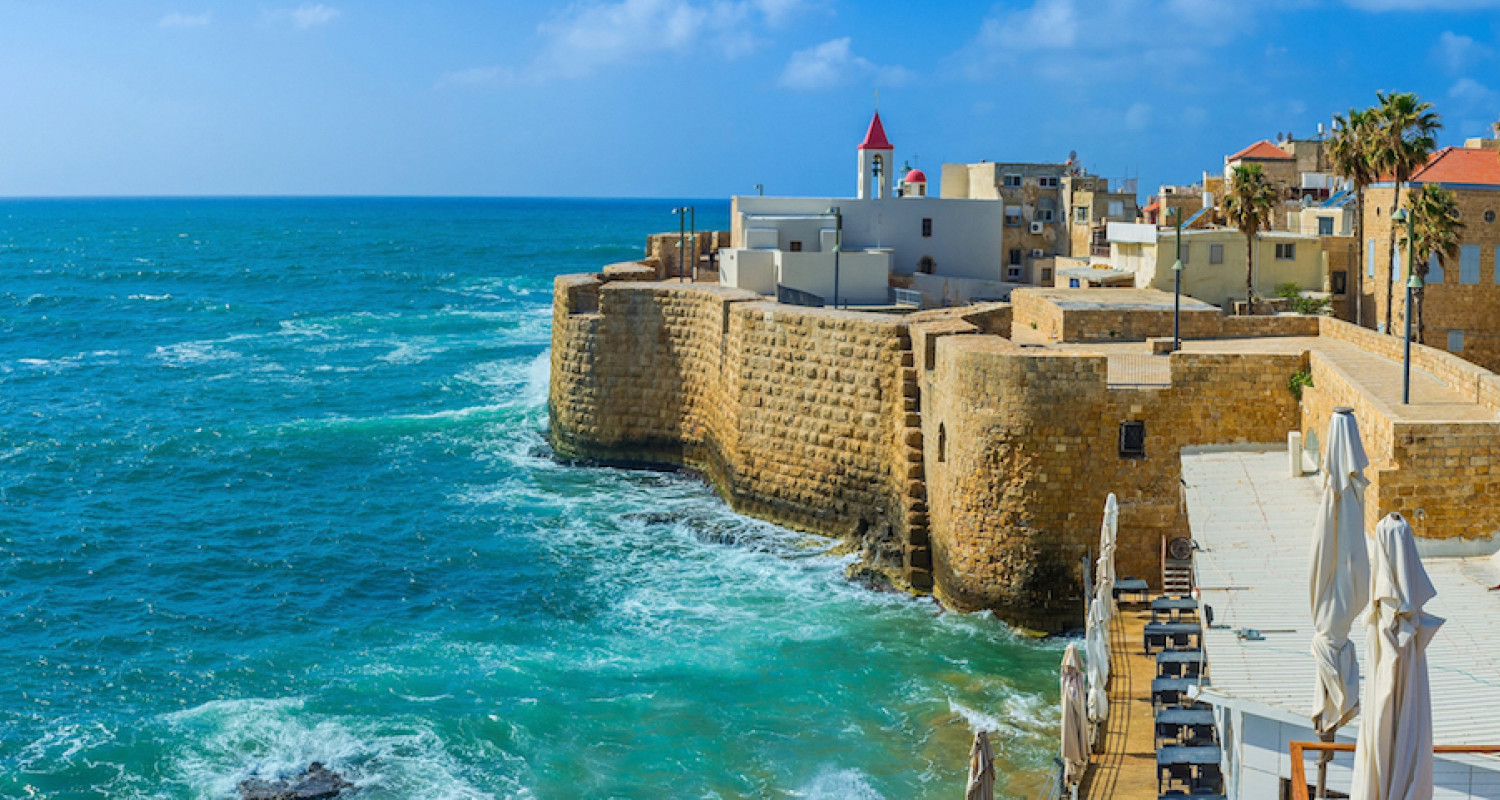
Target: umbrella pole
(1324, 757)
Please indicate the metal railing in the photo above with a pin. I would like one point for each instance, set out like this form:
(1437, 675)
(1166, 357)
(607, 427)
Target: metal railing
(906, 297)
(1299, 749)
(786, 295)
(1053, 788)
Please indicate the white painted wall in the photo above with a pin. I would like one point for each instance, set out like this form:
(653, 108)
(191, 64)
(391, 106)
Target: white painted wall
(966, 242)
(863, 276)
(748, 269)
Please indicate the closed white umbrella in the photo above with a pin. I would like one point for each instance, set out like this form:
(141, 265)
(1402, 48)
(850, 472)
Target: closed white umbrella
(981, 769)
(1339, 580)
(1096, 648)
(1075, 717)
(1393, 757)
(1104, 582)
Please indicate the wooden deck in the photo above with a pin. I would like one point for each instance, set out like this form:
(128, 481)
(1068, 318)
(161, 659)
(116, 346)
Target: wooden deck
(1125, 766)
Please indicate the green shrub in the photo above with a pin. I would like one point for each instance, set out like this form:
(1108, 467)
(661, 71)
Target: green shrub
(1289, 290)
(1299, 380)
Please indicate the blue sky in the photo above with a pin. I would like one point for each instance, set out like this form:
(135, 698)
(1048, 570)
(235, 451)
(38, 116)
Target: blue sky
(695, 98)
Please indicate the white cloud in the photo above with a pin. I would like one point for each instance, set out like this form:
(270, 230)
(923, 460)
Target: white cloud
(176, 20)
(591, 36)
(1422, 5)
(1055, 39)
(833, 63)
(1457, 52)
(1138, 118)
(307, 15)
(1470, 93)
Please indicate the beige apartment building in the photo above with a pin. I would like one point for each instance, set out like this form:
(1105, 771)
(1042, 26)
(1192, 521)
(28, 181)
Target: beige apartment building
(1462, 307)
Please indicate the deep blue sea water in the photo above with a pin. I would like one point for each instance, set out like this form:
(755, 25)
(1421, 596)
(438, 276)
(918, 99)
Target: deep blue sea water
(274, 488)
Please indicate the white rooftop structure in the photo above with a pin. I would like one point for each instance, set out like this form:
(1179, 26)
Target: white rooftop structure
(1253, 523)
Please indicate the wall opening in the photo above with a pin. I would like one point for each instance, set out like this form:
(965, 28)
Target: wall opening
(942, 448)
(1133, 439)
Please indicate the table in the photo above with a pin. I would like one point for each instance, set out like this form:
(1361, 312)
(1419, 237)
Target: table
(1179, 663)
(1195, 759)
(1170, 723)
(1157, 633)
(1132, 586)
(1174, 608)
(1170, 691)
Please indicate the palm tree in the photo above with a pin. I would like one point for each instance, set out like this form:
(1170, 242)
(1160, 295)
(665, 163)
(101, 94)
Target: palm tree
(1403, 142)
(1247, 206)
(1436, 231)
(1349, 150)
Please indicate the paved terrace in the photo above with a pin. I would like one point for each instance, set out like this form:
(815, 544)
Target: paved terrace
(1131, 364)
(1254, 524)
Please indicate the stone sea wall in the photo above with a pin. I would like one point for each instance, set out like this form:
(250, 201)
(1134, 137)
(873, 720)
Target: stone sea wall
(953, 459)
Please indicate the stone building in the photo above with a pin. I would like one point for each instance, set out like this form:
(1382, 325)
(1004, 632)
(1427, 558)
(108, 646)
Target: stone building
(1213, 260)
(1091, 207)
(1462, 306)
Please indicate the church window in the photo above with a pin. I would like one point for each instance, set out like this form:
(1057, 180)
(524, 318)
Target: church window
(926, 226)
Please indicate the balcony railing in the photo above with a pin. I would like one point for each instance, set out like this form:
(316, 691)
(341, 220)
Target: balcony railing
(1299, 750)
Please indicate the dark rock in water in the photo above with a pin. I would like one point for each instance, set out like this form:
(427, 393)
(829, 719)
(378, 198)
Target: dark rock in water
(316, 783)
(654, 517)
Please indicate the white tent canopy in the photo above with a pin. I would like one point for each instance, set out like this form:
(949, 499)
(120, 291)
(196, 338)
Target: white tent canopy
(1393, 756)
(1096, 648)
(1075, 718)
(1340, 574)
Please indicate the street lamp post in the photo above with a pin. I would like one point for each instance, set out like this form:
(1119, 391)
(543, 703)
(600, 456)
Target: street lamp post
(681, 212)
(1412, 282)
(693, 229)
(838, 244)
(1177, 286)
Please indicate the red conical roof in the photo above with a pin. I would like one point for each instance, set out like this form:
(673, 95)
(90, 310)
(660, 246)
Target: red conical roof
(875, 136)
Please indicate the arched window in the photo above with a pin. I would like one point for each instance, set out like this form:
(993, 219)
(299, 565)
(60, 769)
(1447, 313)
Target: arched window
(926, 265)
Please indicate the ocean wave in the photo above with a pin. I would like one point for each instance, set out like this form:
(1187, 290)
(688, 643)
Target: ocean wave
(229, 741)
(834, 783)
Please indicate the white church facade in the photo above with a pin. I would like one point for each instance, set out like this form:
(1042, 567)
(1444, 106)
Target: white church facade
(845, 250)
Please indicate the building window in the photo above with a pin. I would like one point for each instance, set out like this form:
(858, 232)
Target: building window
(1132, 440)
(1216, 254)
(1325, 226)
(926, 265)
(1370, 258)
(1012, 181)
(1116, 209)
(926, 226)
(796, 247)
(1489, 216)
(1434, 269)
(1286, 251)
(1013, 217)
(1047, 182)
(1013, 274)
(1015, 255)
(942, 447)
(1080, 214)
(1043, 215)
(1468, 264)
(1046, 275)
(1455, 341)
(1338, 281)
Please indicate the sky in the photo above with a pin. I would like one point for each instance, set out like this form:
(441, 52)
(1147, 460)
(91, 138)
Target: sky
(691, 98)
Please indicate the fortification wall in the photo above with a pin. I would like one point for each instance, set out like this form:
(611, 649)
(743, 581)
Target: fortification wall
(1022, 449)
(805, 417)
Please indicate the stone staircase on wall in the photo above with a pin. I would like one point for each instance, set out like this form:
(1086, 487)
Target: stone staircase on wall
(917, 558)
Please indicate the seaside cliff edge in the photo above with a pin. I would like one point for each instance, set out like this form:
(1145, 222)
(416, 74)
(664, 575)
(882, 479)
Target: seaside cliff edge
(954, 459)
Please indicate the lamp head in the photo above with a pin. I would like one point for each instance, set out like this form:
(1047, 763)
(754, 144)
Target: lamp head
(1177, 265)
(1414, 282)
(1399, 215)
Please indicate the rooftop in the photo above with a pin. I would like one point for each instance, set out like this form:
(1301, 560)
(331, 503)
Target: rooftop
(1261, 150)
(1117, 299)
(1461, 165)
(875, 136)
(1254, 523)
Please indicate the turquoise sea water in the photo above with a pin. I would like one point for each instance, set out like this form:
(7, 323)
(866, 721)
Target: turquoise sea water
(274, 488)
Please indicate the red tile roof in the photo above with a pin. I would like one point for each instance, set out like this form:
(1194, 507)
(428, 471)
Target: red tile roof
(875, 136)
(1154, 206)
(1262, 150)
(1461, 165)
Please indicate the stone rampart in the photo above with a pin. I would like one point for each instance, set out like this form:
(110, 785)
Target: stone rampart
(1023, 447)
(955, 458)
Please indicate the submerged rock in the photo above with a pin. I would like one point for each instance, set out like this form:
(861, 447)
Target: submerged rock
(316, 783)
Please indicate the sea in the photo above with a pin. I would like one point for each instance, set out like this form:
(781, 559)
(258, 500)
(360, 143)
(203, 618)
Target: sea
(275, 488)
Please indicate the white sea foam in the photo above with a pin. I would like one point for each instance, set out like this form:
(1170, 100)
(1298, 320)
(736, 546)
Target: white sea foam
(233, 740)
(838, 784)
(151, 297)
(189, 353)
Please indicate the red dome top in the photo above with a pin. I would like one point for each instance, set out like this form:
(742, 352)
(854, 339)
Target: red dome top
(916, 176)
